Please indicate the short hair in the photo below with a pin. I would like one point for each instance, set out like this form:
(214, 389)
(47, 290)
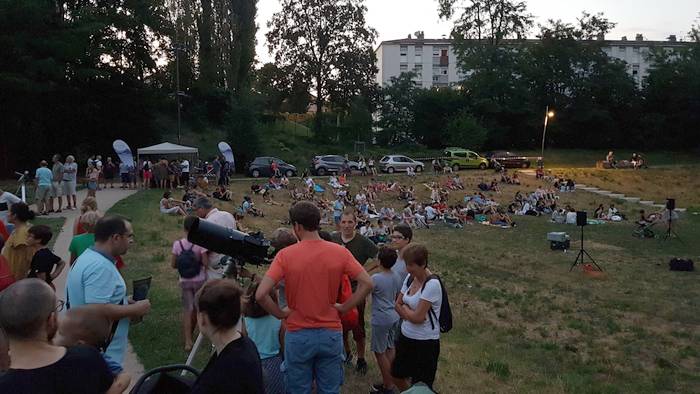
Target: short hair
(189, 222)
(350, 211)
(306, 214)
(203, 202)
(416, 254)
(25, 306)
(387, 257)
(56, 157)
(42, 233)
(404, 230)
(167, 195)
(220, 300)
(282, 237)
(108, 226)
(22, 212)
(251, 307)
(87, 324)
(43, 163)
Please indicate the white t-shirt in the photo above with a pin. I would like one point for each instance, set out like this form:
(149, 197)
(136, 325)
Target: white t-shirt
(185, 165)
(6, 201)
(224, 219)
(431, 293)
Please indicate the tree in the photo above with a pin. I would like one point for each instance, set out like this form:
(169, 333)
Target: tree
(318, 39)
(487, 20)
(464, 129)
(672, 97)
(396, 110)
(433, 110)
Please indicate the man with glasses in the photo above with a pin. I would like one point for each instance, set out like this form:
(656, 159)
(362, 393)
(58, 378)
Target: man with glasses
(28, 316)
(94, 279)
(400, 239)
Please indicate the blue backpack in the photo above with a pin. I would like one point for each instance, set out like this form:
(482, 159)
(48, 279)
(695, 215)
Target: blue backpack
(187, 263)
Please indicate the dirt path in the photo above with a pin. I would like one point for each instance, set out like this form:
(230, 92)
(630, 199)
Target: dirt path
(106, 198)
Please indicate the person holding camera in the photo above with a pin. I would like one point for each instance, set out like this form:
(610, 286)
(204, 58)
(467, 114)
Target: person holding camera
(312, 270)
(204, 209)
(94, 279)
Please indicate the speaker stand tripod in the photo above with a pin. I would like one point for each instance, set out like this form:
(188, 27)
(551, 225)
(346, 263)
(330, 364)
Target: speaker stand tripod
(581, 257)
(670, 233)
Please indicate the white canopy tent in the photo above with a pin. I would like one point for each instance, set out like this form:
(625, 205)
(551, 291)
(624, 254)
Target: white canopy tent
(169, 150)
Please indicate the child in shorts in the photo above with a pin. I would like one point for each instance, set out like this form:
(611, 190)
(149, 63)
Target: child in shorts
(45, 265)
(385, 320)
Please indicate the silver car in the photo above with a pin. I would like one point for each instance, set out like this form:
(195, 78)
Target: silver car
(323, 165)
(397, 163)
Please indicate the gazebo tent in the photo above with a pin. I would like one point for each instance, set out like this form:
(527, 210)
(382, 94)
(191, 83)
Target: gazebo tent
(169, 150)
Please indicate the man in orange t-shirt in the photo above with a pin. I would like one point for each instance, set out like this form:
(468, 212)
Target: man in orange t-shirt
(312, 270)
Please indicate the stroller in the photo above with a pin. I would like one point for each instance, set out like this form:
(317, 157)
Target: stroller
(644, 230)
(166, 380)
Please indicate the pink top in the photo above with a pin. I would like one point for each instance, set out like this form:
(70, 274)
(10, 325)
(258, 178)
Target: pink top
(198, 251)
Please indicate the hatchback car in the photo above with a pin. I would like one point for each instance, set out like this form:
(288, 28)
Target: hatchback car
(323, 165)
(399, 163)
(459, 158)
(507, 159)
(262, 166)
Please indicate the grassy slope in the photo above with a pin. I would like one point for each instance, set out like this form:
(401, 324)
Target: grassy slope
(523, 322)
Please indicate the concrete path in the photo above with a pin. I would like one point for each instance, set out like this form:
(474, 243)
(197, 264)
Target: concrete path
(106, 198)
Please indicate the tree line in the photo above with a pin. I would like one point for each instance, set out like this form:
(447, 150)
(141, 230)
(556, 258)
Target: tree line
(75, 75)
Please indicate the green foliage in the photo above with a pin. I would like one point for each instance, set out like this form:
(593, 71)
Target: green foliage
(396, 110)
(327, 43)
(242, 130)
(433, 110)
(464, 130)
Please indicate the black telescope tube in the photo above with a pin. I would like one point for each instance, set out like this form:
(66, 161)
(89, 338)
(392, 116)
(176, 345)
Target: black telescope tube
(227, 241)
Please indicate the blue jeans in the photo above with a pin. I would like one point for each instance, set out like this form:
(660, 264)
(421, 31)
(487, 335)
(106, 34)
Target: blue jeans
(314, 353)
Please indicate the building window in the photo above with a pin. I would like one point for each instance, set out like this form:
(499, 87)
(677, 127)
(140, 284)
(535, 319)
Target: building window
(403, 49)
(635, 49)
(418, 68)
(403, 67)
(635, 70)
(419, 50)
(622, 49)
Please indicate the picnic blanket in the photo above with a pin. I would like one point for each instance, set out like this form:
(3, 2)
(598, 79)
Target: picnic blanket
(319, 189)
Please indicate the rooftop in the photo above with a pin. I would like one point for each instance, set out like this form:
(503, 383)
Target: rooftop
(672, 42)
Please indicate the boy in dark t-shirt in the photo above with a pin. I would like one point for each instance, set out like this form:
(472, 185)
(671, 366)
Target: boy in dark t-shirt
(44, 261)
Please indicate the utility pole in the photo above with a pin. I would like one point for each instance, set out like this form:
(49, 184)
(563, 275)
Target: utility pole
(177, 47)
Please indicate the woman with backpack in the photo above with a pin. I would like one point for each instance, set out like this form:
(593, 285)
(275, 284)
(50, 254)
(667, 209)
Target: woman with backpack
(418, 305)
(191, 261)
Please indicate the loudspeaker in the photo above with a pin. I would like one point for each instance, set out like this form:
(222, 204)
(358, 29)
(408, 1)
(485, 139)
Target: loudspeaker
(581, 218)
(670, 204)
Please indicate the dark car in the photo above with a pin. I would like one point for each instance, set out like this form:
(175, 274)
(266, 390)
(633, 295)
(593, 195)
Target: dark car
(323, 165)
(261, 166)
(507, 159)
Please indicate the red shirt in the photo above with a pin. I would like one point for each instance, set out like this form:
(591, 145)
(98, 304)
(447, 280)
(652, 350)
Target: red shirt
(312, 271)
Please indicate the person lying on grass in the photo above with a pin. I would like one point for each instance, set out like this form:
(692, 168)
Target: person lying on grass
(170, 206)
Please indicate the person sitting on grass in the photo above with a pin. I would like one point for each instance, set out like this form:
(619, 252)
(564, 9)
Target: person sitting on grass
(45, 265)
(170, 206)
(221, 193)
(500, 218)
(284, 182)
(267, 333)
(184, 252)
(248, 207)
(457, 182)
(599, 212)
(610, 159)
(515, 180)
(410, 171)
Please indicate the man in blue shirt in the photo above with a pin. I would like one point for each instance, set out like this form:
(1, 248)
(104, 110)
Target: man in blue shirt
(94, 279)
(43, 177)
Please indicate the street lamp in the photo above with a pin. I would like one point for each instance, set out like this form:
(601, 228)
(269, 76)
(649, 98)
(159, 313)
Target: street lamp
(177, 48)
(547, 114)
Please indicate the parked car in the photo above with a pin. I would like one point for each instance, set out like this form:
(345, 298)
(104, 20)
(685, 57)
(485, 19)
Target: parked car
(399, 163)
(507, 159)
(459, 158)
(261, 166)
(323, 165)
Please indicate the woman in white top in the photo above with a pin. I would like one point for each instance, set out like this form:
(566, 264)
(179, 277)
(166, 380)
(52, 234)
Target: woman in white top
(418, 305)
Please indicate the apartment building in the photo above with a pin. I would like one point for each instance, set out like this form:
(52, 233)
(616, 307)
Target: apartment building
(435, 63)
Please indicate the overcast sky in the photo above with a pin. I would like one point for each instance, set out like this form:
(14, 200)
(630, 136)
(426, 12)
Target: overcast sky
(395, 19)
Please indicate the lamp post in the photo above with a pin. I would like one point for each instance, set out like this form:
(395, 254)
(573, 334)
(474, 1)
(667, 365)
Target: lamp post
(547, 114)
(177, 48)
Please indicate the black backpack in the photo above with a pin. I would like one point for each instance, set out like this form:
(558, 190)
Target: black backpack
(677, 264)
(188, 265)
(445, 320)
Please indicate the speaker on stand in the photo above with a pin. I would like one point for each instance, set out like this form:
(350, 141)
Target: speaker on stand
(582, 221)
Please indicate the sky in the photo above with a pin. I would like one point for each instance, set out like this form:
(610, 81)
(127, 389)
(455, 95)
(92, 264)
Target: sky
(394, 19)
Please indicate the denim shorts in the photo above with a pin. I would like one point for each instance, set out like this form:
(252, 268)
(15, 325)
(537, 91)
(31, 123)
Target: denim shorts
(313, 353)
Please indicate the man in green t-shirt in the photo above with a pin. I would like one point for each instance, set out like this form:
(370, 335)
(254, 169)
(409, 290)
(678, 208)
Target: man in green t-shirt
(363, 250)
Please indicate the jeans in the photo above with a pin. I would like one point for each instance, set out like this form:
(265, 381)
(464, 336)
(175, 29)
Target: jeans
(314, 353)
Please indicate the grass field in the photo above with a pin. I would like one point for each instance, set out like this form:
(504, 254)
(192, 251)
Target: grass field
(524, 323)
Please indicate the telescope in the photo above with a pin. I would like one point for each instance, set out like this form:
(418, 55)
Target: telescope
(241, 247)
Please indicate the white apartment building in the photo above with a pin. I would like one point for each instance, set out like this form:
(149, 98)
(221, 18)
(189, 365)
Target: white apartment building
(435, 63)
